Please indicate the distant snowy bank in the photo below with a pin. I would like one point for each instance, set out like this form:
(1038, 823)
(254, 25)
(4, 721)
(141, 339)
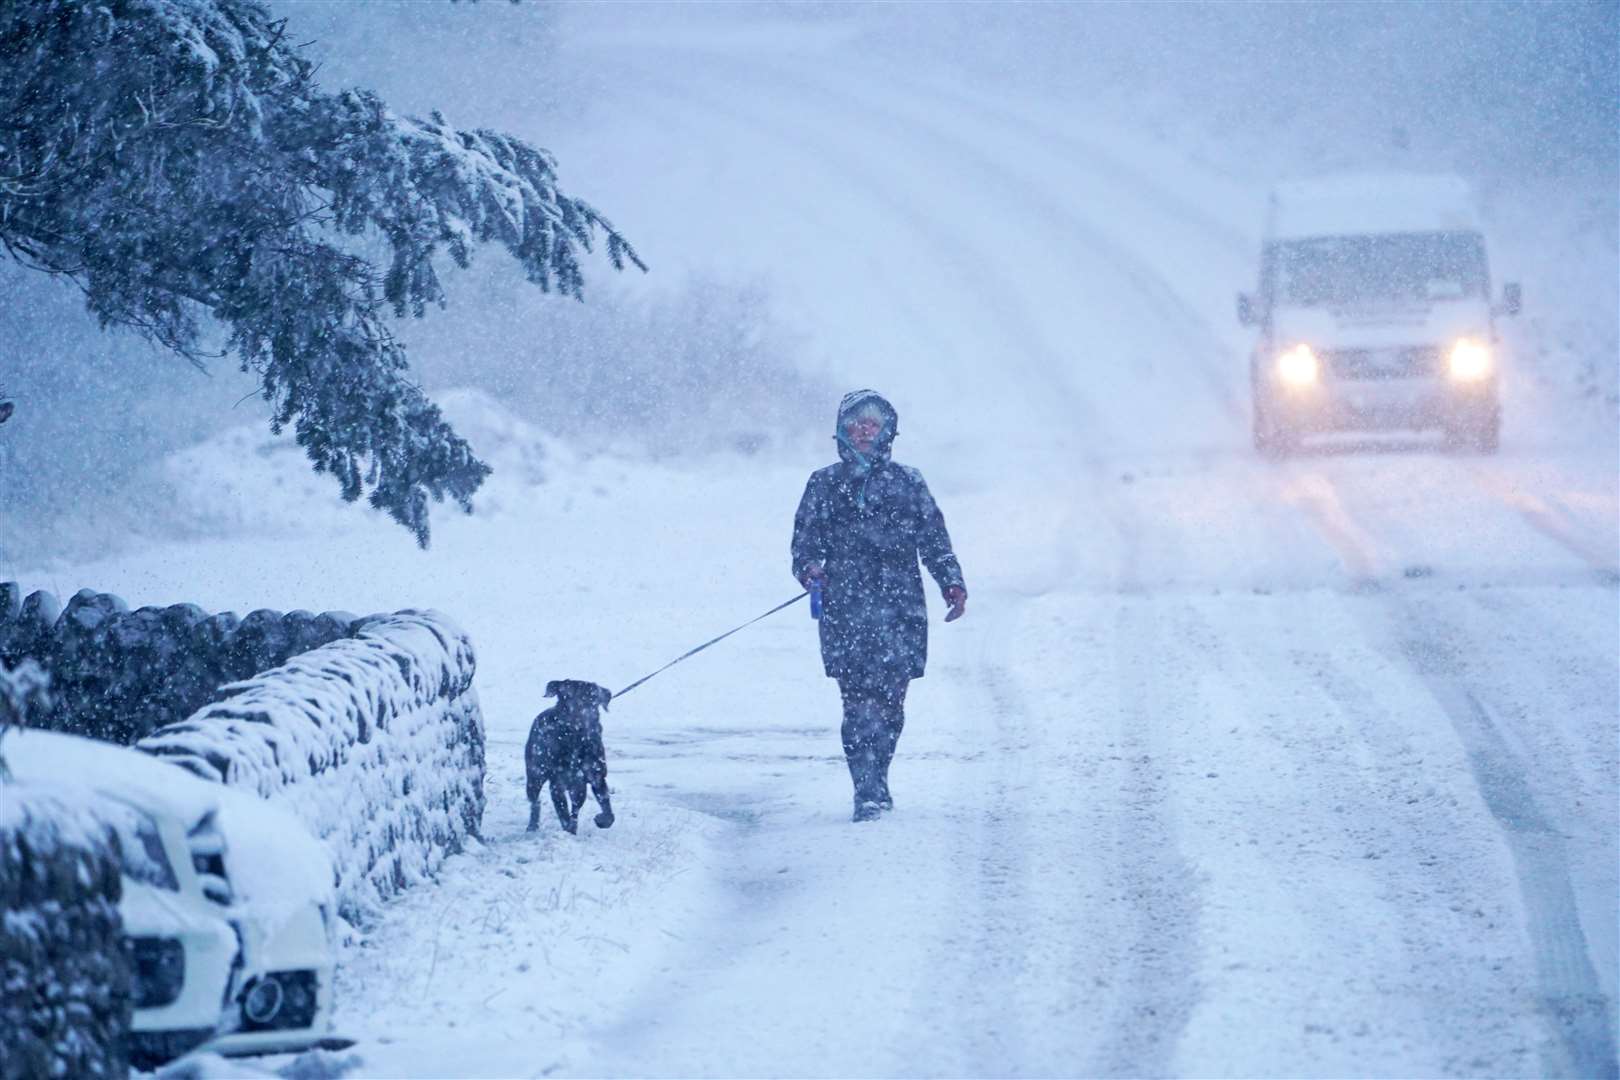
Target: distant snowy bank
(245, 480)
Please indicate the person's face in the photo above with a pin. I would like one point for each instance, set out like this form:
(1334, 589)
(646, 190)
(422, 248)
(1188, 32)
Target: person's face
(862, 432)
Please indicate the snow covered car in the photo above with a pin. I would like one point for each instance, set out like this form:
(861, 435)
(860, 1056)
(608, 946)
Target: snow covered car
(1375, 312)
(227, 901)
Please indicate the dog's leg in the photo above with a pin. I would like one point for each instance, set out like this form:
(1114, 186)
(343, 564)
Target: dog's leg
(576, 793)
(559, 801)
(534, 772)
(599, 787)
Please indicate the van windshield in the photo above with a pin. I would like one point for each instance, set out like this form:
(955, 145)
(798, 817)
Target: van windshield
(1422, 267)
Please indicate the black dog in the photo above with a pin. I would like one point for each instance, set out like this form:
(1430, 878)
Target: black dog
(565, 750)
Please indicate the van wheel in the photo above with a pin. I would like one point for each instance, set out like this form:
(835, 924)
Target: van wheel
(1483, 436)
(1271, 439)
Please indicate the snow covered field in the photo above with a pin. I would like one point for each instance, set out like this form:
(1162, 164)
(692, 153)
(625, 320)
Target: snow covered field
(1233, 767)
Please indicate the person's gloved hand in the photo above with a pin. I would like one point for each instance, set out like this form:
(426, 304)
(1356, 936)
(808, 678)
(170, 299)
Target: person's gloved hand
(956, 596)
(812, 572)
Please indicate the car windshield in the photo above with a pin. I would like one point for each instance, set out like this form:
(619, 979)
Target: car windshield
(1421, 267)
(140, 849)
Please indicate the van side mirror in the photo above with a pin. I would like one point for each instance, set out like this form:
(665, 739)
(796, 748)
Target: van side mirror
(1512, 298)
(1246, 313)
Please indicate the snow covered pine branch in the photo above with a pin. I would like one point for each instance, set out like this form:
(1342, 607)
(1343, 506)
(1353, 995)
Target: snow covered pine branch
(176, 160)
(25, 690)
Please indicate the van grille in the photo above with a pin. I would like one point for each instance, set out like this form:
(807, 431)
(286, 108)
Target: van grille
(1408, 363)
(160, 970)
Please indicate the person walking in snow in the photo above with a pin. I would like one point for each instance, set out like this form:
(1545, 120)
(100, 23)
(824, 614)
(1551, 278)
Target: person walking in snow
(860, 529)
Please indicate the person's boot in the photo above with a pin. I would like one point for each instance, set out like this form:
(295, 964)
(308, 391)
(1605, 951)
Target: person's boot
(863, 770)
(880, 776)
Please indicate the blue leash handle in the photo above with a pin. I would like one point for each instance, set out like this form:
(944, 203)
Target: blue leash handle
(815, 598)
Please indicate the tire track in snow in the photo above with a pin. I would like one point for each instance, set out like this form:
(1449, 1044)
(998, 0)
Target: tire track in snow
(1380, 929)
(1553, 520)
(1001, 861)
(1159, 993)
(1363, 556)
(1074, 883)
(1579, 1015)
(1419, 845)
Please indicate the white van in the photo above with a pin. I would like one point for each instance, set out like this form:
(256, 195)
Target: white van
(227, 905)
(1375, 312)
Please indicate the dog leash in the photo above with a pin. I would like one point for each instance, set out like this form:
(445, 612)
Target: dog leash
(706, 644)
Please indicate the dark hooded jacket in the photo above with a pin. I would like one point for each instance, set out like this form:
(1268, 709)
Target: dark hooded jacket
(866, 521)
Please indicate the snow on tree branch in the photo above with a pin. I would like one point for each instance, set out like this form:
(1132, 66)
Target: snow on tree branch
(24, 690)
(176, 160)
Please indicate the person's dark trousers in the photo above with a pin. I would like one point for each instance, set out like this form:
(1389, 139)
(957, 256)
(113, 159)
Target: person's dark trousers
(874, 714)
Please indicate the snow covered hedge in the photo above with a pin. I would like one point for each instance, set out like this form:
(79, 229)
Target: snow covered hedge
(376, 741)
(64, 973)
(116, 674)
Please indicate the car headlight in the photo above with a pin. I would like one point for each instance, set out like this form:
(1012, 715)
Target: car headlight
(1298, 366)
(1470, 360)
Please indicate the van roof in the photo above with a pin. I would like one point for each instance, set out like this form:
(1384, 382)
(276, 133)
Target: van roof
(1361, 203)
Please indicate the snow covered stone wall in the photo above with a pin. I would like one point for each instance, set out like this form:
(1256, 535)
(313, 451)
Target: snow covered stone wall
(117, 674)
(64, 973)
(376, 741)
(368, 729)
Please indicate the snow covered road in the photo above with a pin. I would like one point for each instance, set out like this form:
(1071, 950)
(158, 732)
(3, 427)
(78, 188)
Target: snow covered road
(1234, 768)
(1177, 822)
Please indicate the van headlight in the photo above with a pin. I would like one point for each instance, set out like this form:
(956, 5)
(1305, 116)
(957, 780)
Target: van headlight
(1469, 361)
(280, 1000)
(1298, 366)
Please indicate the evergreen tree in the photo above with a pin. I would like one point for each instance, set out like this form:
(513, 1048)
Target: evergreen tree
(176, 160)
